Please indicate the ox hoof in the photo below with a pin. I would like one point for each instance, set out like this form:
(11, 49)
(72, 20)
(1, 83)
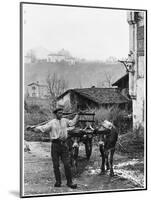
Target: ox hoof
(102, 172)
(111, 174)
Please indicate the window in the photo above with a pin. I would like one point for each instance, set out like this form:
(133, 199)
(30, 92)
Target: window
(33, 88)
(33, 94)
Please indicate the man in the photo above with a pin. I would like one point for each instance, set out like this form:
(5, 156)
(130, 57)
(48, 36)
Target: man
(57, 129)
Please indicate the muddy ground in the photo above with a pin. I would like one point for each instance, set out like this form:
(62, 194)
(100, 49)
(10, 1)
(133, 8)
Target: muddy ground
(39, 177)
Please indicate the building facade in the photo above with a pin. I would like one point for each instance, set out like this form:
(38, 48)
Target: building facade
(37, 90)
(137, 64)
(62, 55)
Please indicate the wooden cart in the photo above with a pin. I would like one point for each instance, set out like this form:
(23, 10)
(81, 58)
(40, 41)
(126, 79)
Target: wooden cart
(83, 133)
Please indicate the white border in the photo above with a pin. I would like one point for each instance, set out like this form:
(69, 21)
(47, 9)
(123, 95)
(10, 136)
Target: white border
(22, 158)
(9, 83)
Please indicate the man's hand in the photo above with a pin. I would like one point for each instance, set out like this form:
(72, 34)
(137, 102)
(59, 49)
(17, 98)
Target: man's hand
(30, 128)
(80, 112)
(36, 129)
(63, 138)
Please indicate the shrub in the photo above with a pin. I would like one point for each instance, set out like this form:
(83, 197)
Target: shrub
(34, 118)
(32, 136)
(35, 114)
(117, 116)
(102, 114)
(32, 108)
(132, 141)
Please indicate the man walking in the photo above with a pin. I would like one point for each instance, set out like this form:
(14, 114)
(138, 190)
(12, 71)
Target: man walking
(57, 129)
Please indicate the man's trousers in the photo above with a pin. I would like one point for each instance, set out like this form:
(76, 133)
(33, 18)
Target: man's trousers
(60, 150)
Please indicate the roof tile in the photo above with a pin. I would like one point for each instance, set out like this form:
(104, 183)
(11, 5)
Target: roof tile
(100, 95)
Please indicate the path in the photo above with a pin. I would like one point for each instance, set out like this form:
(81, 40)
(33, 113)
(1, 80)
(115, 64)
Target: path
(39, 177)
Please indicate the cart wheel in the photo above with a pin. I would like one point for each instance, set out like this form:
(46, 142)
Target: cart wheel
(88, 148)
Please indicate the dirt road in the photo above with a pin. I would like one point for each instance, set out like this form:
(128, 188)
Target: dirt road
(39, 177)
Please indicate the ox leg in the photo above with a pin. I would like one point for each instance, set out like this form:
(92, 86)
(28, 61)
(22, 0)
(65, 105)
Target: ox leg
(88, 148)
(103, 159)
(111, 162)
(75, 152)
(75, 157)
(70, 143)
(107, 160)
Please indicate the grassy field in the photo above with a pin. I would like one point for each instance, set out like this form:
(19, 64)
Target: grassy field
(80, 74)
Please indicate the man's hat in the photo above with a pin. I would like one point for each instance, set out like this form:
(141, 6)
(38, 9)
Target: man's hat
(107, 124)
(57, 109)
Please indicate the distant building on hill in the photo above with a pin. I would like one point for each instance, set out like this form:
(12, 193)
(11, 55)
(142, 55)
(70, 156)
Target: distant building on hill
(42, 55)
(62, 55)
(27, 59)
(37, 90)
(54, 57)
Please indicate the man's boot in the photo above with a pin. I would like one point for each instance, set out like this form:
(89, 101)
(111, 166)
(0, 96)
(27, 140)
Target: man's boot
(57, 184)
(69, 182)
(57, 177)
(72, 185)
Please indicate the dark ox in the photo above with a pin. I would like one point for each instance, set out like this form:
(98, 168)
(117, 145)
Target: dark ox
(107, 143)
(74, 151)
(77, 136)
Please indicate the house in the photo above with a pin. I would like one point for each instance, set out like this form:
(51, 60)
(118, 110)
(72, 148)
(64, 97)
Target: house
(123, 85)
(60, 56)
(54, 57)
(37, 90)
(137, 47)
(134, 80)
(136, 65)
(27, 59)
(92, 98)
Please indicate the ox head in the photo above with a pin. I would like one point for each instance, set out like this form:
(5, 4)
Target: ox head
(75, 142)
(107, 125)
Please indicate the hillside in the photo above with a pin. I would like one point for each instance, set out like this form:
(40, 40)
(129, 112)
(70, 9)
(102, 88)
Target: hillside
(78, 75)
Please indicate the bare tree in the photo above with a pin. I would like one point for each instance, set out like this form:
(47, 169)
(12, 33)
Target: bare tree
(80, 84)
(31, 54)
(56, 86)
(100, 84)
(108, 80)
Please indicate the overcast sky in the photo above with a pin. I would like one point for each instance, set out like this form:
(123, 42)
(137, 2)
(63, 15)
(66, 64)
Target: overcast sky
(86, 32)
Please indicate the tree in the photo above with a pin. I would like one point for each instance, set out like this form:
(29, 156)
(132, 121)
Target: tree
(101, 84)
(56, 86)
(108, 80)
(31, 54)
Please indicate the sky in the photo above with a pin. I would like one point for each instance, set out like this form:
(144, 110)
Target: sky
(93, 34)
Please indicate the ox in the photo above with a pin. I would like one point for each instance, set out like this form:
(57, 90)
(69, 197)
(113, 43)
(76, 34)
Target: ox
(108, 136)
(76, 136)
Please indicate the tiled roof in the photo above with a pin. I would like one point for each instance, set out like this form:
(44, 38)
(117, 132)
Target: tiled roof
(33, 84)
(37, 84)
(99, 95)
